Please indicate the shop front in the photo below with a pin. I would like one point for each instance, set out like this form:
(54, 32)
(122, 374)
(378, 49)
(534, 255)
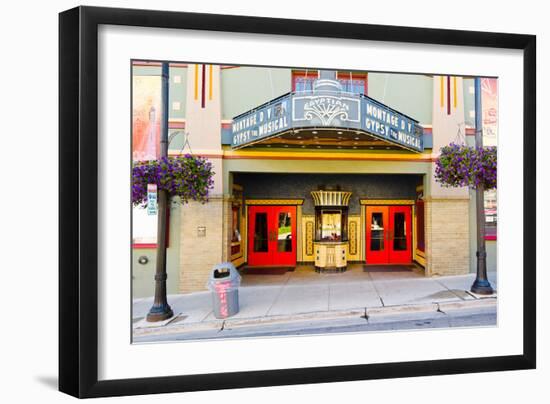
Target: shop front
(327, 220)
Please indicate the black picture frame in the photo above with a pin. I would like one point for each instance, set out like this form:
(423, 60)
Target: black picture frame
(78, 208)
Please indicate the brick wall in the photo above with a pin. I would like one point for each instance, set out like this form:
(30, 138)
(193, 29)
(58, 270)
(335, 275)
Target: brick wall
(199, 254)
(447, 236)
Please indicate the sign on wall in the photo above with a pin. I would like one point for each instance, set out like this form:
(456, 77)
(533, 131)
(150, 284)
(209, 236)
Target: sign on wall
(261, 123)
(144, 226)
(151, 199)
(146, 115)
(390, 125)
(325, 110)
(489, 105)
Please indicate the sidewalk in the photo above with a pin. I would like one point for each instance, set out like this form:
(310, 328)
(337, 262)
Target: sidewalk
(304, 295)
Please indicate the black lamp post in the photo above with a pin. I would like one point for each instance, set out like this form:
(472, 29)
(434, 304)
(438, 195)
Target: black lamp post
(161, 309)
(481, 284)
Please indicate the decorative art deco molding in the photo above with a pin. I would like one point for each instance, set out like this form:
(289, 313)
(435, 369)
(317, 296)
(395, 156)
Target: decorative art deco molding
(331, 198)
(274, 202)
(387, 201)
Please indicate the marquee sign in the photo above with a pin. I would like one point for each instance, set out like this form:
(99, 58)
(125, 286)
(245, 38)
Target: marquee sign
(317, 109)
(262, 122)
(390, 125)
(325, 110)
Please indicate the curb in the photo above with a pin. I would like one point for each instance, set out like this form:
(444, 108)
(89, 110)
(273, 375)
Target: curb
(376, 312)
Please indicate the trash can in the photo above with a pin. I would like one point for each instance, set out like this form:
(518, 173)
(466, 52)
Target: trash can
(224, 284)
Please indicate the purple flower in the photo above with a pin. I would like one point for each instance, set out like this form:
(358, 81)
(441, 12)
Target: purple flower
(187, 177)
(461, 165)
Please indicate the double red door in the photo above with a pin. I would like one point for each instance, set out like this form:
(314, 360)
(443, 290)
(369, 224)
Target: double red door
(272, 235)
(388, 237)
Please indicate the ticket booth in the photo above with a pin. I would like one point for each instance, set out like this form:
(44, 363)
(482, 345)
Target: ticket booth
(331, 230)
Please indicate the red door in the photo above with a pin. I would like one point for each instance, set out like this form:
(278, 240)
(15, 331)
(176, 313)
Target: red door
(400, 235)
(272, 236)
(388, 235)
(377, 234)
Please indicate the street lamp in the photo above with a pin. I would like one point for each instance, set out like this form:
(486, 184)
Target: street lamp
(481, 285)
(161, 310)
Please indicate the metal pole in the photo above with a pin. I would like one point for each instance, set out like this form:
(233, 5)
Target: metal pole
(161, 309)
(481, 285)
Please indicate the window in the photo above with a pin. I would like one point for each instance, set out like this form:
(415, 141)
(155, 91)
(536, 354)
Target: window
(303, 81)
(284, 232)
(351, 82)
(144, 228)
(377, 232)
(260, 232)
(490, 214)
(331, 225)
(236, 224)
(420, 243)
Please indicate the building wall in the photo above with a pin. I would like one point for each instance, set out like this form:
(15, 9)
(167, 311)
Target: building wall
(410, 94)
(143, 283)
(177, 88)
(447, 210)
(177, 98)
(469, 102)
(200, 251)
(244, 88)
(202, 241)
(203, 99)
(447, 236)
(407, 93)
(491, 247)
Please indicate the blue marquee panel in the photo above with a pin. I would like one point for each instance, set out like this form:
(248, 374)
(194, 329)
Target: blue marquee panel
(326, 109)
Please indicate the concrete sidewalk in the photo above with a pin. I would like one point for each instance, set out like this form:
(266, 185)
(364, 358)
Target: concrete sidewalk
(306, 295)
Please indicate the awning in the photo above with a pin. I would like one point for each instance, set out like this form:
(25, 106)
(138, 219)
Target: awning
(326, 118)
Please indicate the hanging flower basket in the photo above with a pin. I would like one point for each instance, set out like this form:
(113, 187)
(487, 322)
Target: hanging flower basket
(187, 177)
(460, 166)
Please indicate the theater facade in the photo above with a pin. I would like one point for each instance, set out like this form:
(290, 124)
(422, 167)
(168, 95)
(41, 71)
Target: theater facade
(322, 168)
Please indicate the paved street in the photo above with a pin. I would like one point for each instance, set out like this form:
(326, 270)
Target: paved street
(304, 302)
(358, 324)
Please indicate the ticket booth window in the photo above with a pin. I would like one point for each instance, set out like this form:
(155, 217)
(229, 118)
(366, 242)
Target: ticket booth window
(331, 225)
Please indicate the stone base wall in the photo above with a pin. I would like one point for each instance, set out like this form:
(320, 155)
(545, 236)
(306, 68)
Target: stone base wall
(198, 254)
(447, 236)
